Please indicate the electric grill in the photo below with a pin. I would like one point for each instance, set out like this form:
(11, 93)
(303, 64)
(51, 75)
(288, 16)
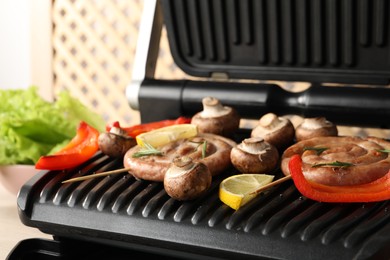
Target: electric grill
(223, 42)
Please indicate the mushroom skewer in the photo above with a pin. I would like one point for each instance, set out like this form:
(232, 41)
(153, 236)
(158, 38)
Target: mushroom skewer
(274, 183)
(254, 155)
(186, 180)
(275, 130)
(315, 127)
(96, 175)
(265, 187)
(116, 142)
(216, 118)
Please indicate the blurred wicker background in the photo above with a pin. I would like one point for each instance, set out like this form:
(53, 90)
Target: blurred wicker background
(94, 45)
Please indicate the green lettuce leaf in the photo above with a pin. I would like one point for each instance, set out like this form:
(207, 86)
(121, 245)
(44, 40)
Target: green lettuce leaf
(31, 127)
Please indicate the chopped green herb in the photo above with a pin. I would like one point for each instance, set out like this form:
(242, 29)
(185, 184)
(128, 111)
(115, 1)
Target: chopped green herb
(333, 164)
(383, 150)
(319, 150)
(204, 147)
(148, 150)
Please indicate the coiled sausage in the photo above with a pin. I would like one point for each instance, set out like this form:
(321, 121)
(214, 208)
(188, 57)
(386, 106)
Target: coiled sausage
(153, 167)
(341, 160)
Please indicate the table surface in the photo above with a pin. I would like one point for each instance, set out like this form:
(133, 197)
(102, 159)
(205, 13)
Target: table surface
(12, 230)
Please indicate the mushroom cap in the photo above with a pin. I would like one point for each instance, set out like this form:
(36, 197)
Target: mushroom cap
(275, 130)
(115, 144)
(315, 127)
(186, 180)
(254, 155)
(216, 118)
(225, 125)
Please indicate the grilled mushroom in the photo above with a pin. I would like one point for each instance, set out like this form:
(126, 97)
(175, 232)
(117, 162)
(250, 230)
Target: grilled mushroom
(275, 130)
(116, 142)
(254, 155)
(216, 118)
(315, 127)
(186, 180)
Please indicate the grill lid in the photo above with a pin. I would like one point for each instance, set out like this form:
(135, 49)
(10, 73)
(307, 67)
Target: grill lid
(320, 42)
(314, 41)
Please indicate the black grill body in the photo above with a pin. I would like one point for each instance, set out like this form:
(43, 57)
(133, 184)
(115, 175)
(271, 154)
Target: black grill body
(138, 215)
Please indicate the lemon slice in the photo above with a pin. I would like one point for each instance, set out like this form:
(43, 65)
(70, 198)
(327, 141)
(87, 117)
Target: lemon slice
(235, 191)
(167, 134)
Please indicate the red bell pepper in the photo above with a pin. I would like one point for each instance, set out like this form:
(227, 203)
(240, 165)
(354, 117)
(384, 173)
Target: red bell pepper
(81, 148)
(378, 190)
(135, 130)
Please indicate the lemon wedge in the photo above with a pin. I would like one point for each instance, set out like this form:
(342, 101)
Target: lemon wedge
(235, 191)
(167, 134)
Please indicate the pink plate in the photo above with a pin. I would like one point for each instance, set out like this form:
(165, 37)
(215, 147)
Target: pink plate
(12, 177)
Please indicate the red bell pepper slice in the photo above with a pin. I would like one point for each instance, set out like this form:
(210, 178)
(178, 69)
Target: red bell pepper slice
(378, 190)
(135, 130)
(111, 125)
(81, 148)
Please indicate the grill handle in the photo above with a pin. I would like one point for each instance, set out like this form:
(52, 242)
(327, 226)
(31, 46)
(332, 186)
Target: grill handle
(346, 105)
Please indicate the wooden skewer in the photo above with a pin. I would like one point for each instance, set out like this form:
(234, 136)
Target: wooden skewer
(87, 177)
(269, 185)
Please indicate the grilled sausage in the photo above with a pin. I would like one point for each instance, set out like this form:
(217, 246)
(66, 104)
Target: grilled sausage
(342, 160)
(153, 167)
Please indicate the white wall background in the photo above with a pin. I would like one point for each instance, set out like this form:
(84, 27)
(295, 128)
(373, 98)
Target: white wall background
(25, 45)
(14, 44)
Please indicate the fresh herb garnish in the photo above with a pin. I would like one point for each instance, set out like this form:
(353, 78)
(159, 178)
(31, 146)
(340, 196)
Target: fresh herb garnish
(383, 150)
(333, 164)
(319, 150)
(204, 147)
(148, 150)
